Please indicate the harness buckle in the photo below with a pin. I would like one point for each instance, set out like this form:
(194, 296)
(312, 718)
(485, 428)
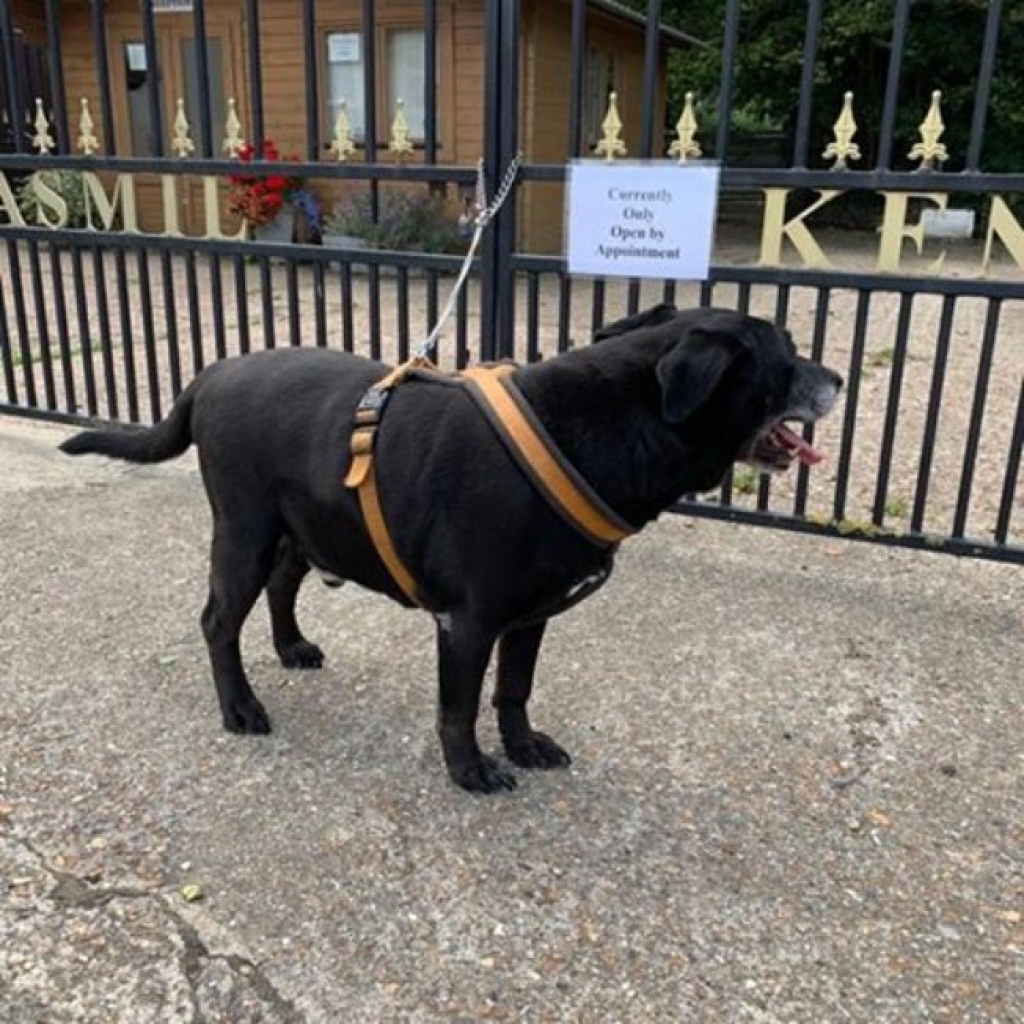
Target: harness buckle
(374, 400)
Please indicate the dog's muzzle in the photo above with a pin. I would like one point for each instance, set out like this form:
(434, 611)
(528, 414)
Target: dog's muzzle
(812, 395)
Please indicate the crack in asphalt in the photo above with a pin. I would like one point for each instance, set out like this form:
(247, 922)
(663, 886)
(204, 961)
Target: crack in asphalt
(73, 892)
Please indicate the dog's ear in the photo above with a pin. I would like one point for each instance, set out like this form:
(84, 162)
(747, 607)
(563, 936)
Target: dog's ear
(660, 314)
(690, 372)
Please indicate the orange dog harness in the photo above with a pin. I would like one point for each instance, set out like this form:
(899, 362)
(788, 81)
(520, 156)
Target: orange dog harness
(522, 433)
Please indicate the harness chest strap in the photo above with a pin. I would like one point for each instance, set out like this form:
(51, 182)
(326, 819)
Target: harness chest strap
(362, 476)
(522, 434)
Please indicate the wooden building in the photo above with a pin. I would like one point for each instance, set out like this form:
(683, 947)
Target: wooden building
(614, 62)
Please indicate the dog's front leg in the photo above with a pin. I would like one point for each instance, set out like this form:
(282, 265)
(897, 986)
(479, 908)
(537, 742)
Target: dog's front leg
(463, 652)
(517, 659)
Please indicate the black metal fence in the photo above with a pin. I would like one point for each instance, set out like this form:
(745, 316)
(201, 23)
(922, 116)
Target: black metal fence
(111, 320)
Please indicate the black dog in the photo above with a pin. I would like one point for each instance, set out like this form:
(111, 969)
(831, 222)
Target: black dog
(663, 406)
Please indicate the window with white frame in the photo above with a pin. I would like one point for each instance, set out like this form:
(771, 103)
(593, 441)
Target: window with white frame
(401, 78)
(406, 75)
(600, 85)
(345, 81)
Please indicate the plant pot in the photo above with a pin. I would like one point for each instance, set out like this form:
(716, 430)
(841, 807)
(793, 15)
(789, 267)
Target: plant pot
(343, 243)
(345, 246)
(351, 245)
(280, 230)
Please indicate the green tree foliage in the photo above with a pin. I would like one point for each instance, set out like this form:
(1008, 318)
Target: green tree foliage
(943, 51)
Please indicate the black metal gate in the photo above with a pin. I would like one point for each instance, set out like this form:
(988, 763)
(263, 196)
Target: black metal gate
(116, 292)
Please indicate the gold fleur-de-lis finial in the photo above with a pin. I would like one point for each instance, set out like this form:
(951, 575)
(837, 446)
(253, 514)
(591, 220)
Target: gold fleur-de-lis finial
(929, 150)
(400, 143)
(42, 140)
(610, 146)
(685, 146)
(182, 143)
(233, 140)
(843, 149)
(342, 145)
(87, 141)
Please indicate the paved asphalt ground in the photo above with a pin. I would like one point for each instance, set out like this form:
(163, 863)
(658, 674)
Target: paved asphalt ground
(796, 797)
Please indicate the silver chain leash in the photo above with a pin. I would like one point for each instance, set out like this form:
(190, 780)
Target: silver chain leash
(485, 213)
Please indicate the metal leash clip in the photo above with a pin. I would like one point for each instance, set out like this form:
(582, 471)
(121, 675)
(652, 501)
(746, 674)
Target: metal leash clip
(485, 213)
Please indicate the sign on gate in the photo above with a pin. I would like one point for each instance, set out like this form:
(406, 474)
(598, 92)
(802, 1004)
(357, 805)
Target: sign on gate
(642, 219)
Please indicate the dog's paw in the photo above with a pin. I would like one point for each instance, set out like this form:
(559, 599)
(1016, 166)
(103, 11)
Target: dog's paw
(535, 750)
(247, 717)
(301, 655)
(481, 775)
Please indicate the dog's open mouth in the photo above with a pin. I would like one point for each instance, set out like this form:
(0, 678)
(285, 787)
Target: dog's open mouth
(778, 447)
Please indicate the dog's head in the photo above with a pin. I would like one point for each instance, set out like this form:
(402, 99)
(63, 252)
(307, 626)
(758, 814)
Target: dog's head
(738, 381)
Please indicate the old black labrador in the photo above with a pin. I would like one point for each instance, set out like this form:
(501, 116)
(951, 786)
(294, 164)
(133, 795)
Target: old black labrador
(661, 406)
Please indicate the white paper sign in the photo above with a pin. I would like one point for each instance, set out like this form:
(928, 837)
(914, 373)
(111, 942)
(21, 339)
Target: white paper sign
(136, 56)
(343, 48)
(172, 6)
(641, 219)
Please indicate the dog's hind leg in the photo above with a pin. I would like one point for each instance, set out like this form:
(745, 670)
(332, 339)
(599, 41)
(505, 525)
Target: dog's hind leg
(517, 659)
(241, 560)
(463, 652)
(290, 569)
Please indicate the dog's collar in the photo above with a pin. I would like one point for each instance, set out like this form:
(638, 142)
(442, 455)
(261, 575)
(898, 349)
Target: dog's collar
(523, 435)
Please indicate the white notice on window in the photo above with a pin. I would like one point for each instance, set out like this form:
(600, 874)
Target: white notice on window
(343, 47)
(641, 219)
(172, 6)
(136, 56)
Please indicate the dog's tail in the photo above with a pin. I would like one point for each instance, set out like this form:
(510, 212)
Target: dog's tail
(166, 440)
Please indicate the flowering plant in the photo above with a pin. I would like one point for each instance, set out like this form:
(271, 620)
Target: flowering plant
(259, 198)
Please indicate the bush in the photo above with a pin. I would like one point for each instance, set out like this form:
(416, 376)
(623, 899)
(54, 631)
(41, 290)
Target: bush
(405, 222)
(67, 184)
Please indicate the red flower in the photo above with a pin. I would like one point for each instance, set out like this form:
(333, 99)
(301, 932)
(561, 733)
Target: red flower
(259, 198)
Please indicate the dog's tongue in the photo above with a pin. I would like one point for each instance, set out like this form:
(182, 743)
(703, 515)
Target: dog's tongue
(796, 444)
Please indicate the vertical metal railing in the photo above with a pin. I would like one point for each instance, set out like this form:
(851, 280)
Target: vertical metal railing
(988, 346)
(312, 81)
(931, 429)
(805, 106)
(1013, 463)
(56, 74)
(983, 92)
(430, 84)
(102, 325)
(730, 42)
(254, 56)
(892, 406)
(892, 84)
(202, 53)
(13, 91)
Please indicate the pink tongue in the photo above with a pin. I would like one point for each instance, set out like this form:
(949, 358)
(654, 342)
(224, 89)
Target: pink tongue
(795, 443)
